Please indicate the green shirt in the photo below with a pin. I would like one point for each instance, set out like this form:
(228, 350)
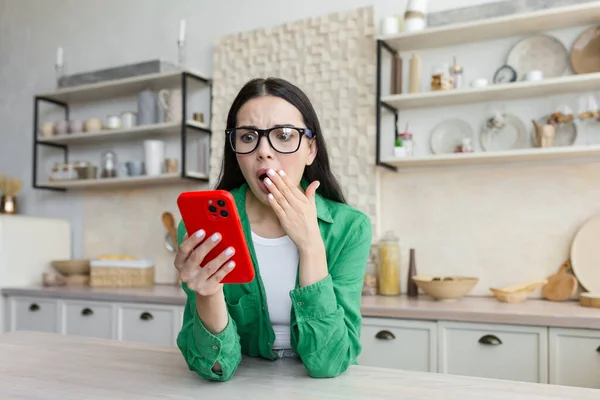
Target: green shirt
(325, 317)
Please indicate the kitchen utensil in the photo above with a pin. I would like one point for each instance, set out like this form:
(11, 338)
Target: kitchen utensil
(92, 125)
(61, 127)
(75, 126)
(171, 104)
(590, 299)
(147, 107)
(479, 83)
(53, 279)
(135, 168)
(415, 16)
(154, 157)
(538, 52)
(534, 75)
(560, 286)
(509, 134)
(113, 122)
(565, 133)
(172, 165)
(445, 288)
(448, 135)
(585, 254)
(516, 293)
(389, 26)
(585, 52)
(47, 129)
(128, 119)
(544, 134)
(169, 223)
(72, 267)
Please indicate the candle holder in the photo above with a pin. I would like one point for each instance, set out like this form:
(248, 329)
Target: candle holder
(181, 53)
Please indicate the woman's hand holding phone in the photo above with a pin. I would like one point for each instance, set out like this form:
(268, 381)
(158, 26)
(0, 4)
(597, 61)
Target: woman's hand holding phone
(205, 281)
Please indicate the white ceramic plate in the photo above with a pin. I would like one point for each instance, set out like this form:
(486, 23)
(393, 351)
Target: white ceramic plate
(448, 134)
(585, 255)
(513, 135)
(539, 52)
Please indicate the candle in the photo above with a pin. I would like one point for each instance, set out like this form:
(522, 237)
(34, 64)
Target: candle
(182, 30)
(59, 56)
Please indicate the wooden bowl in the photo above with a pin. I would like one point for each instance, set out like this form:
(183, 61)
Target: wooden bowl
(516, 293)
(445, 288)
(72, 267)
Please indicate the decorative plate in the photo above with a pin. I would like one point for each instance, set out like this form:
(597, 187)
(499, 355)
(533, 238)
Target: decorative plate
(509, 134)
(448, 135)
(540, 52)
(585, 52)
(585, 255)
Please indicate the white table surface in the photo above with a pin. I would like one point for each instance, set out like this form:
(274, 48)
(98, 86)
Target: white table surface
(35, 365)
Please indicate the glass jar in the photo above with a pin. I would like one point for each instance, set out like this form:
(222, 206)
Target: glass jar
(370, 279)
(388, 276)
(109, 164)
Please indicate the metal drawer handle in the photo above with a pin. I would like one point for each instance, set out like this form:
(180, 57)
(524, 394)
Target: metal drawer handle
(385, 335)
(86, 311)
(146, 316)
(34, 307)
(490, 339)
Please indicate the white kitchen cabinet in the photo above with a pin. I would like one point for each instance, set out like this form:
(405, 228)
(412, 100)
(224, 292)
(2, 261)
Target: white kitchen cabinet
(33, 314)
(401, 344)
(574, 358)
(88, 318)
(147, 323)
(497, 351)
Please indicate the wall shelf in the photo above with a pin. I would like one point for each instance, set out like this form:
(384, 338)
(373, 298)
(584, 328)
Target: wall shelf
(479, 31)
(118, 88)
(168, 128)
(122, 182)
(522, 155)
(496, 92)
(495, 28)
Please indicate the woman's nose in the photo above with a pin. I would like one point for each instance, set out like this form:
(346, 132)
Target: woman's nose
(264, 149)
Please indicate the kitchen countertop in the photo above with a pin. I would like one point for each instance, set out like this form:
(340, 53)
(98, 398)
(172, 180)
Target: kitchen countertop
(468, 309)
(74, 367)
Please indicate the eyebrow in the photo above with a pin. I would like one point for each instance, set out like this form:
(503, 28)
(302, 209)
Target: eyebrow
(274, 126)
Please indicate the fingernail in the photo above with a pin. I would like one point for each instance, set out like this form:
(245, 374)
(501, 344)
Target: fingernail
(215, 237)
(281, 173)
(270, 196)
(271, 172)
(200, 233)
(229, 251)
(230, 265)
(268, 182)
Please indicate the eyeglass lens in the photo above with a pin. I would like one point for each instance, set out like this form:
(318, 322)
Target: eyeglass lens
(284, 140)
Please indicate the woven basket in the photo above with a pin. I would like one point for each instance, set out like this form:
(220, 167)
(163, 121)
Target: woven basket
(121, 274)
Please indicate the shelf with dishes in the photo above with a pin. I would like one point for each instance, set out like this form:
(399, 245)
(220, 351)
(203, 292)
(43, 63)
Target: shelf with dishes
(538, 65)
(127, 181)
(71, 136)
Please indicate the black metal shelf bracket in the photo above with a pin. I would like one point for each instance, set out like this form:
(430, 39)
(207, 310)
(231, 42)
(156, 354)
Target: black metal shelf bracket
(381, 104)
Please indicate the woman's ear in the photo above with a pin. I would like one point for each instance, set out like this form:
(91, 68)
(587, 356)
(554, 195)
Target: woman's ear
(312, 152)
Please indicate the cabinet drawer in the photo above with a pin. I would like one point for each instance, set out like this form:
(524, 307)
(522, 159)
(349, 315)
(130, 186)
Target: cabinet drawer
(153, 324)
(494, 351)
(575, 357)
(88, 319)
(401, 344)
(34, 314)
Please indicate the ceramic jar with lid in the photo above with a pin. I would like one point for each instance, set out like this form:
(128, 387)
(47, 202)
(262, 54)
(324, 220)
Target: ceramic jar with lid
(388, 274)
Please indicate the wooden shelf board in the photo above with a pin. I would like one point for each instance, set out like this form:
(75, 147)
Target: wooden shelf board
(495, 28)
(168, 128)
(523, 155)
(121, 182)
(118, 87)
(496, 92)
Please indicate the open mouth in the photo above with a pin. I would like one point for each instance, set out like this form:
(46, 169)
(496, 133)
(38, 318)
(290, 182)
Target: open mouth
(262, 177)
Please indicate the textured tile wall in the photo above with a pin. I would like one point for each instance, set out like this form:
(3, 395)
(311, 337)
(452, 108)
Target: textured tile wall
(332, 58)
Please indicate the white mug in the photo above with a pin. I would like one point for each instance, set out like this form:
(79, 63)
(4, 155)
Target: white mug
(154, 157)
(171, 104)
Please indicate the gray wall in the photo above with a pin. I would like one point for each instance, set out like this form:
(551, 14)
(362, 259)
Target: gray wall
(98, 34)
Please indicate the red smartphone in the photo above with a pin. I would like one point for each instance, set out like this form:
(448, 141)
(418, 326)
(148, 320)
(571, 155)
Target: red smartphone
(216, 211)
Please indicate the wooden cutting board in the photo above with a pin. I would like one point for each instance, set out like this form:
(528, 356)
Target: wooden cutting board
(590, 300)
(562, 285)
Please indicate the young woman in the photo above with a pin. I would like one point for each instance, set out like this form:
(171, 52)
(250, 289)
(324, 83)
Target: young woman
(309, 248)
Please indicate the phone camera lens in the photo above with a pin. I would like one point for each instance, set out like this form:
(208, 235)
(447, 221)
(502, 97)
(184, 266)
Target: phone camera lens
(221, 203)
(212, 209)
(224, 213)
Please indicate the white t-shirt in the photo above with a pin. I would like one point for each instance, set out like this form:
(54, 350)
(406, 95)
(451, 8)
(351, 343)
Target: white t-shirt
(278, 262)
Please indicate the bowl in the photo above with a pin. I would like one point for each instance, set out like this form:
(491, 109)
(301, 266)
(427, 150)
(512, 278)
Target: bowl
(516, 293)
(445, 288)
(72, 267)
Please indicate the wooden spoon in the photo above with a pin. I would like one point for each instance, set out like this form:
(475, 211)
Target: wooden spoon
(169, 223)
(562, 285)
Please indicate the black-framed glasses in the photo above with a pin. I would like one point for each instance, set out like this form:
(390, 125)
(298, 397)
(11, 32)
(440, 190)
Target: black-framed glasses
(283, 139)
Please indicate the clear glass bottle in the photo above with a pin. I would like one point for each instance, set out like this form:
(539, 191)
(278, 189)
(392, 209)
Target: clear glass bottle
(388, 276)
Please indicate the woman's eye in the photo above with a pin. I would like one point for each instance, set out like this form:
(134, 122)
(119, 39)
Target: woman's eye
(248, 137)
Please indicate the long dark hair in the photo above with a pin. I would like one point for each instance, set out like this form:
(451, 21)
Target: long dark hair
(231, 176)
